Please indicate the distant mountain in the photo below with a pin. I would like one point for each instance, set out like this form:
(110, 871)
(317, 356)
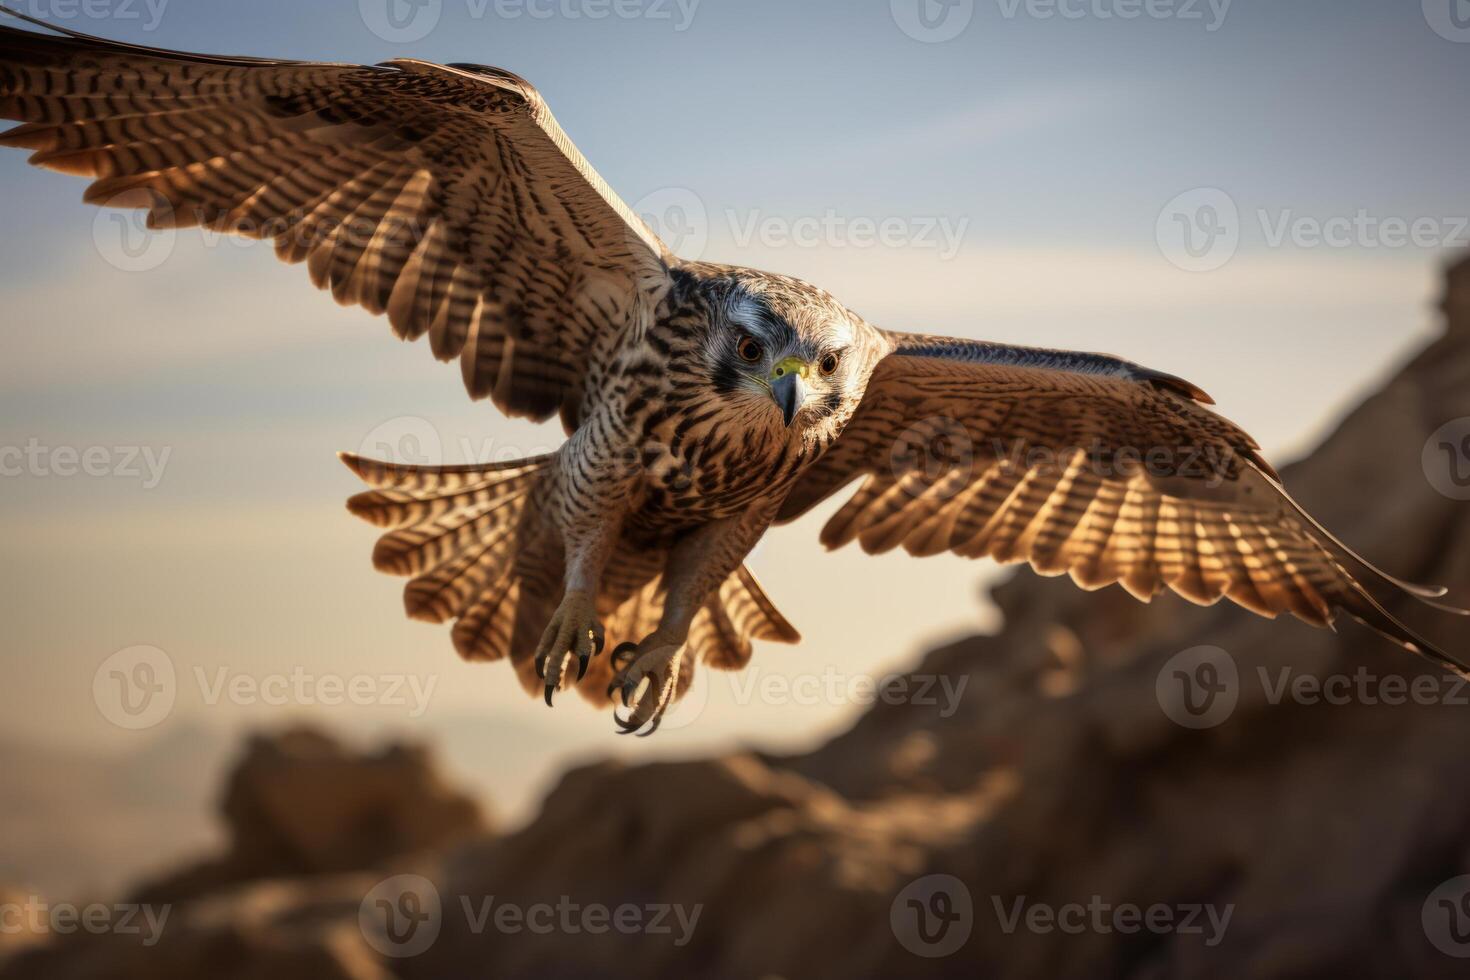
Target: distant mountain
(80, 825)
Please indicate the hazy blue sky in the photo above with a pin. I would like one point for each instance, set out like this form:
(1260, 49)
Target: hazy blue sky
(1048, 146)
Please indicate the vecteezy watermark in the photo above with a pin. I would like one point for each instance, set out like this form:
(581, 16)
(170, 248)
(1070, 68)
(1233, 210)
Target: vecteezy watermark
(1210, 13)
(150, 12)
(832, 230)
(137, 688)
(1198, 687)
(407, 440)
(837, 687)
(1201, 687)
(672, 920)
(932, 21)
(127, 238)
(302, 687)
(34, 459)
(1362, 229)
(1201, 230)
(936, 457)
(1450, 19)
(1446, 459)
(402, 916)
(678, 216)
(1100, 916)
(411, 440)
(407, 21)
(35, 916)
(932, 916)
(1445, 917)
(1362, 686)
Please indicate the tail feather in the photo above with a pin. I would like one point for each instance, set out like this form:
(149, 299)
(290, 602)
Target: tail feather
(478, 550)
(471, 540)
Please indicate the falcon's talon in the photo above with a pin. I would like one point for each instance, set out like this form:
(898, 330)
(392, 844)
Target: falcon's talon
(647, 682)
(573, 632)
(623, 654)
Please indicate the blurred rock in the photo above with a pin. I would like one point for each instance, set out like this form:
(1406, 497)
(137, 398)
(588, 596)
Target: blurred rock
(302, 803)
(299, 930)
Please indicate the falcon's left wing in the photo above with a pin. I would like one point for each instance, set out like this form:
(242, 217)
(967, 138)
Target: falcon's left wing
(1088, 465)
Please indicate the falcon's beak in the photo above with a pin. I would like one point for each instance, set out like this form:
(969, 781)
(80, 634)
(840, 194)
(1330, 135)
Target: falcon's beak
(788, 386)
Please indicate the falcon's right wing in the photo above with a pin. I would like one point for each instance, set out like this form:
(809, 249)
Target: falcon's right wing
(447, 197)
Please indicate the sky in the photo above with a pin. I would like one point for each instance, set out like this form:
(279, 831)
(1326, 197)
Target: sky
(1258, 196)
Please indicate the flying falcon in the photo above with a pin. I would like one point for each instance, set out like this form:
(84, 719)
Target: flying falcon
(703, 403)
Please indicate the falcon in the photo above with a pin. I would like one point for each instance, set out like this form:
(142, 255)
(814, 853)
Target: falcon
(702, 402)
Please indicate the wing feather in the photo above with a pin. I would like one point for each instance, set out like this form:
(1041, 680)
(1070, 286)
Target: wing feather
(445, 196)
(1086, 465)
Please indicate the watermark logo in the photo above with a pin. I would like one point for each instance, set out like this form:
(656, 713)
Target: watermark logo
(1446, 917)
(401, 916)
(37, 917)
(570, 917)
(1446, 459)
(401, 21)
(1104, 917)
(932, 916)
(1450, 19)
(40, 461)
(407, 440)
(832, 686)
(940, 233)
(126, 239)
(1199, 230)
(301, 687)
(150, 12)
(1198, 687)
(1210, 13)
(679, 218)
(135, 688)
(932, 21)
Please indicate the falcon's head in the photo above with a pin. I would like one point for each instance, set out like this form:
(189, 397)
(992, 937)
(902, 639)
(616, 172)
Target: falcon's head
(786, 355)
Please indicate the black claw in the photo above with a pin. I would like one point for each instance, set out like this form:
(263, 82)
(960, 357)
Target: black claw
(625, 652)
(599, 638)
(582, 659)
(550, 690)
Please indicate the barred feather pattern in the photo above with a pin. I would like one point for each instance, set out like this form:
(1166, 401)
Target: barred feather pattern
(1090, 466)
(447, 198)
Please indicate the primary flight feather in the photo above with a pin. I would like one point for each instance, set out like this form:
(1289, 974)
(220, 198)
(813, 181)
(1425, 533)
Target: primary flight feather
(703, 402)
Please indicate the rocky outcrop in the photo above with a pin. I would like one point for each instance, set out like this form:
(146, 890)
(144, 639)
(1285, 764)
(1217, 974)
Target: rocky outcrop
(1120, 791)
(302, 803)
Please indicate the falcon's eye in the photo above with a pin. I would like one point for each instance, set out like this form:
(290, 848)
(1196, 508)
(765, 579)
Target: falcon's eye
(749, 349)
(828, 365)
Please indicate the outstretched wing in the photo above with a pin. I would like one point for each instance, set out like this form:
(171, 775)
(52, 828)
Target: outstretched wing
(1088, 465)
(447, 197)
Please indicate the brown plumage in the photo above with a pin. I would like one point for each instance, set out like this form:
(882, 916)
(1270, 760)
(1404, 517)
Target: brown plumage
(702, 402)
